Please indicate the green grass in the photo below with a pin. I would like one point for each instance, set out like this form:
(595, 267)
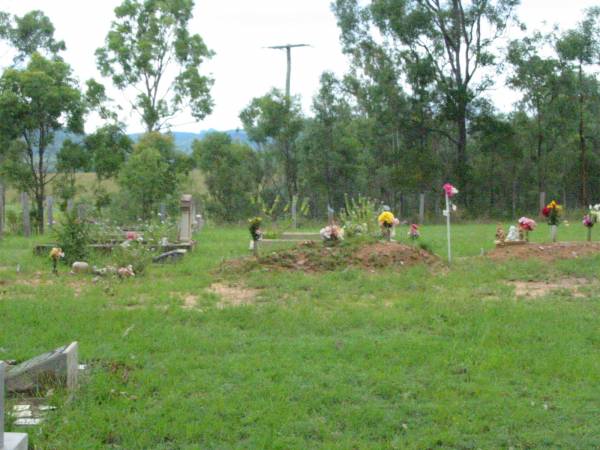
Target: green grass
(417, 358)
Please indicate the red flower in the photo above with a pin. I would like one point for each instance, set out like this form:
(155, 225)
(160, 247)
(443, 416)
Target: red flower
(546, 211)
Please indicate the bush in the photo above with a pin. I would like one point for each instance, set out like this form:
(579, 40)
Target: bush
(132, 253)
(359, 216)
(73, 236)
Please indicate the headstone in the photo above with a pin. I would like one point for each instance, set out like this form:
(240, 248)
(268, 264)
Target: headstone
(55, 367)
(185, 224)
(421, 209)
(49, 212)
(70, 205)
(9, 441)
(26, 216)
(170, 257)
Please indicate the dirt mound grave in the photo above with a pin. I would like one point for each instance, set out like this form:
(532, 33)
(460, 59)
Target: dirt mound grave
(314, 257)
(546, 252)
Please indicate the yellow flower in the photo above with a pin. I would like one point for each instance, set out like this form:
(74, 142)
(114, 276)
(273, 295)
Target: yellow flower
(386, 217)
(56, 253)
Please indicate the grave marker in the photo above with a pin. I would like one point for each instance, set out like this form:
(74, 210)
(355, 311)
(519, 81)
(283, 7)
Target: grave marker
(9, 441)
(185, 224)
(26, 216)
(57, 366)
(421, 209)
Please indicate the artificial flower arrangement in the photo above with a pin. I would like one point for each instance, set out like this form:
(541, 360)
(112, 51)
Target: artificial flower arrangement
(590, 219)
(387, 222)
(525, 226)
(450, 191)
(332, 234)
(55, 255)
(552, 213)
(413, 232)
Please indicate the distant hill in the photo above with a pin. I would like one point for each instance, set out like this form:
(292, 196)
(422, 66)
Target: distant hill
(184, 140)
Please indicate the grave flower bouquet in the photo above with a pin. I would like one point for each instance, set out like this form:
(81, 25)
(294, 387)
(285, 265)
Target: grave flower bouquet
(55, 255)
(332, 233)
(413, 232)
(387, 221)
(525, 226)
(254, 228)
(590, 219)
(552, 213)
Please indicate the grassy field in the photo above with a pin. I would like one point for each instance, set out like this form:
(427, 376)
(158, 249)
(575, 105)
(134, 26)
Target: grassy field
(424, 357)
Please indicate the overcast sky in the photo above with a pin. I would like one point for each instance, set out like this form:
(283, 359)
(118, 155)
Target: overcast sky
(238, 31)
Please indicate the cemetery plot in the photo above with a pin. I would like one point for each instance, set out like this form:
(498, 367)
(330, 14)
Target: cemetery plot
(314, 257)
(545, 252)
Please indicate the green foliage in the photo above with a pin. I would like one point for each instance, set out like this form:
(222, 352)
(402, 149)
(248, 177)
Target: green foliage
(33, 32)
(149, 46)
(35, 103)
(151, 175)
(133, 253)
(73, 236)
(232, 173)
(108, 148)
(275, 121)
(359, 216)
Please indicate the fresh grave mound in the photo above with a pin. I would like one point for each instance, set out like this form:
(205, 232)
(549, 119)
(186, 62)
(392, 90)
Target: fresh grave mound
(314, 257)
(546, 252)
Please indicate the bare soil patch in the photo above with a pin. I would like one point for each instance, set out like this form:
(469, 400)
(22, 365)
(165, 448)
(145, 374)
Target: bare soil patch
(232, 296)
(314, 257)
(546, 252)
(575, 287)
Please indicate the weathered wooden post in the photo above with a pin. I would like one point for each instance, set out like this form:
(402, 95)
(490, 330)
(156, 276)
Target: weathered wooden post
(330, 212)
(49, 212)
(542, 202)
(421, 208)
(26, 215)
(294, 212)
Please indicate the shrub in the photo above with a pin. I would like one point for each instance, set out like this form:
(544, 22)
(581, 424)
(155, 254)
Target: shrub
(132, 253)
(73, 236)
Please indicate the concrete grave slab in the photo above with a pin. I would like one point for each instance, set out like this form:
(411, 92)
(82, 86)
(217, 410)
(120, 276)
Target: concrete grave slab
(59, 366)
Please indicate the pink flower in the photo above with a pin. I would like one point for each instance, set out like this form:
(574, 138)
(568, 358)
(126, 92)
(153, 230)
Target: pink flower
(527, 224)
(131, 235)
(450, 190)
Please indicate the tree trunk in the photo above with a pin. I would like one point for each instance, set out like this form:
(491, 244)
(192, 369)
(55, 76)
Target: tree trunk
(462, 170)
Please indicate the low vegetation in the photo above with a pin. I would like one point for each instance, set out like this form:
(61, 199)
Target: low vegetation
(196, 355)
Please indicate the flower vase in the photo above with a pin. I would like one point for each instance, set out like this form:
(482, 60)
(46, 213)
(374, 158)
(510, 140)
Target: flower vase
(553, 230)
(255, 248)
(589, 234)
(526, 235)
(387, 232)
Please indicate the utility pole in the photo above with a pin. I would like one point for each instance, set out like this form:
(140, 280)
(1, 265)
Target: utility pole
(288, 48)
